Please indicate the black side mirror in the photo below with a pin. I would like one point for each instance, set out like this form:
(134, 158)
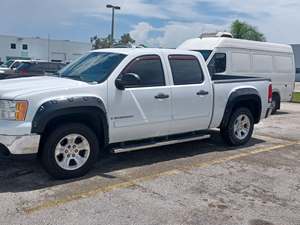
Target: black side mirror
(127, 80)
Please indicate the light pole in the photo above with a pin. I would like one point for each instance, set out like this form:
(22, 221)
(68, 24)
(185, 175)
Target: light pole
(113, 7)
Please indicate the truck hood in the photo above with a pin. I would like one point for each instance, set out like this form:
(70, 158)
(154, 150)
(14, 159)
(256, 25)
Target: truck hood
(12, 88)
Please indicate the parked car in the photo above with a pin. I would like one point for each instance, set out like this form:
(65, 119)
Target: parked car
(123, 100)
(229, 56)
(11, 65)
(38, 68)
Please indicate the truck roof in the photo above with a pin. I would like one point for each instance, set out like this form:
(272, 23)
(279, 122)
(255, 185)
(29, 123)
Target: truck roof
(221, 42)
(129, 51)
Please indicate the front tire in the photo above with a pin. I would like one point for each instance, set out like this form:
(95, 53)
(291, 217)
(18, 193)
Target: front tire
(70, 151)
(240, 127)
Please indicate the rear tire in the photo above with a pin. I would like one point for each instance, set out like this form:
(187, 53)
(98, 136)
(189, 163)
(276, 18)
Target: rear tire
(275, 103)
(240, 127)
(70, 151)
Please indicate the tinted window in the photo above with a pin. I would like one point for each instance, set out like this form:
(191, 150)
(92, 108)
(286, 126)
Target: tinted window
(217, 64)
(185, 69)
(149, 69)
(297, 70)
(92, 67)
(36, 68)
(13, 46)
(204, 53)
(15, 65)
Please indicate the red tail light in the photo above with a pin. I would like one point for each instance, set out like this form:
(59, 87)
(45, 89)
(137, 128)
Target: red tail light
(270, 93)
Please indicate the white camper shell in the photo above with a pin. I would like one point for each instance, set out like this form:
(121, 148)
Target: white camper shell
(229, 56)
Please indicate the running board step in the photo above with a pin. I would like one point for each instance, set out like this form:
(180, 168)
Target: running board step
(158, 144)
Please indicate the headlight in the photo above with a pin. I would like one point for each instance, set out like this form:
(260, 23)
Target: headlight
(13, 110)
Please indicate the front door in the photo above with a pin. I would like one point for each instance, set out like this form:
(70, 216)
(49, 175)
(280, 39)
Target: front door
(144, 110)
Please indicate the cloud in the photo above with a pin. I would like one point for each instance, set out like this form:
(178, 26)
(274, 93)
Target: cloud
(278, 20)
(170, 35)
(141, 32)
(157, 22)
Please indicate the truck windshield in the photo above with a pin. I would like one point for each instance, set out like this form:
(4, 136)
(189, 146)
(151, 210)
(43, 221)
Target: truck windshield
(205, 53)
(92, 67)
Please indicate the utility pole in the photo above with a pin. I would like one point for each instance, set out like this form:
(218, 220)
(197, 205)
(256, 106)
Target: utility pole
(48, 47)
(113, 7)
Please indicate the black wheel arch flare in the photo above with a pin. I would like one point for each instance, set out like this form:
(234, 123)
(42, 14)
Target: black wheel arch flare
(63, 107)
(242, 95)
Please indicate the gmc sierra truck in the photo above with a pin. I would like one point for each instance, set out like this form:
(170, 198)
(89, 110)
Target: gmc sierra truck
(122, 100)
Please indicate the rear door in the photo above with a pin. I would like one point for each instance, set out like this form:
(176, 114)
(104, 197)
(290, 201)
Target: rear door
(142, 111)
(192, 94)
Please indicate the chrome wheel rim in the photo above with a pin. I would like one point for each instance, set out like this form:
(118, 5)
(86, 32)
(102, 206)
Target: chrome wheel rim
(242, 127)
(72, 152)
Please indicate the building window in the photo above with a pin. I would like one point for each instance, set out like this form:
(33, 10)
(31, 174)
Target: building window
(13, 46)
(297, 70)
(25, 47)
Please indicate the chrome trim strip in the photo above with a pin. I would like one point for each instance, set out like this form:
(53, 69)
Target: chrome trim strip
(19, 145)
(159, 144)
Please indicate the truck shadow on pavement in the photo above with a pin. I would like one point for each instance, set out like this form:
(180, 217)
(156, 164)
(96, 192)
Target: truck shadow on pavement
(18, 175)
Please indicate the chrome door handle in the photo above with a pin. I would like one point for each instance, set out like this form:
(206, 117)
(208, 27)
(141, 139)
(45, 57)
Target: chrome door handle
(161, 96)
(202, 92)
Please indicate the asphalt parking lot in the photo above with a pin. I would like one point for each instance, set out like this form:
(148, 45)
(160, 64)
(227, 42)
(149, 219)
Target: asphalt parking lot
(194, 183)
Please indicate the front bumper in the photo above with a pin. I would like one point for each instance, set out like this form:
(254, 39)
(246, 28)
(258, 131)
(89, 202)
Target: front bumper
(20, 145)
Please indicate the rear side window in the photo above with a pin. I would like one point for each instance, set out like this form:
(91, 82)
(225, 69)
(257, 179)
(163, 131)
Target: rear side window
(149, 69)
(186, 69)
(52, 67)
(217, 64)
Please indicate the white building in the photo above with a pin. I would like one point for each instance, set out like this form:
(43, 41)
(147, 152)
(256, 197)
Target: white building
(12, 47)
(296, 49)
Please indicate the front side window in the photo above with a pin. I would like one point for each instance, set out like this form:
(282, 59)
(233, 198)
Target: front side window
(217, 64)
(186, 69)
(149, 69)
(30, 67)
(15, 65)
(92, 67)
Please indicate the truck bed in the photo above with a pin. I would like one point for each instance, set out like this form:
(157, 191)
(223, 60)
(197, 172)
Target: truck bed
(235, 79)
(224, 85)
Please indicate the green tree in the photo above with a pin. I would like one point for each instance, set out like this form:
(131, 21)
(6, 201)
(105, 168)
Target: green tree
(126, 39)
(98, 43)
(243, 30)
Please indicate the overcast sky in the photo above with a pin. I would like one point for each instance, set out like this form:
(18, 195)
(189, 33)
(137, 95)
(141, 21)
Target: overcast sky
(161, 23)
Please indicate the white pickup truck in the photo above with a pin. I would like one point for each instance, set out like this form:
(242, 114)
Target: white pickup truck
(122, 100)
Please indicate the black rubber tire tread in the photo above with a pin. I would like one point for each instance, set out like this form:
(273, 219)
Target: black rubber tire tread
(277, 103)
(227, 132)
(54, 136)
